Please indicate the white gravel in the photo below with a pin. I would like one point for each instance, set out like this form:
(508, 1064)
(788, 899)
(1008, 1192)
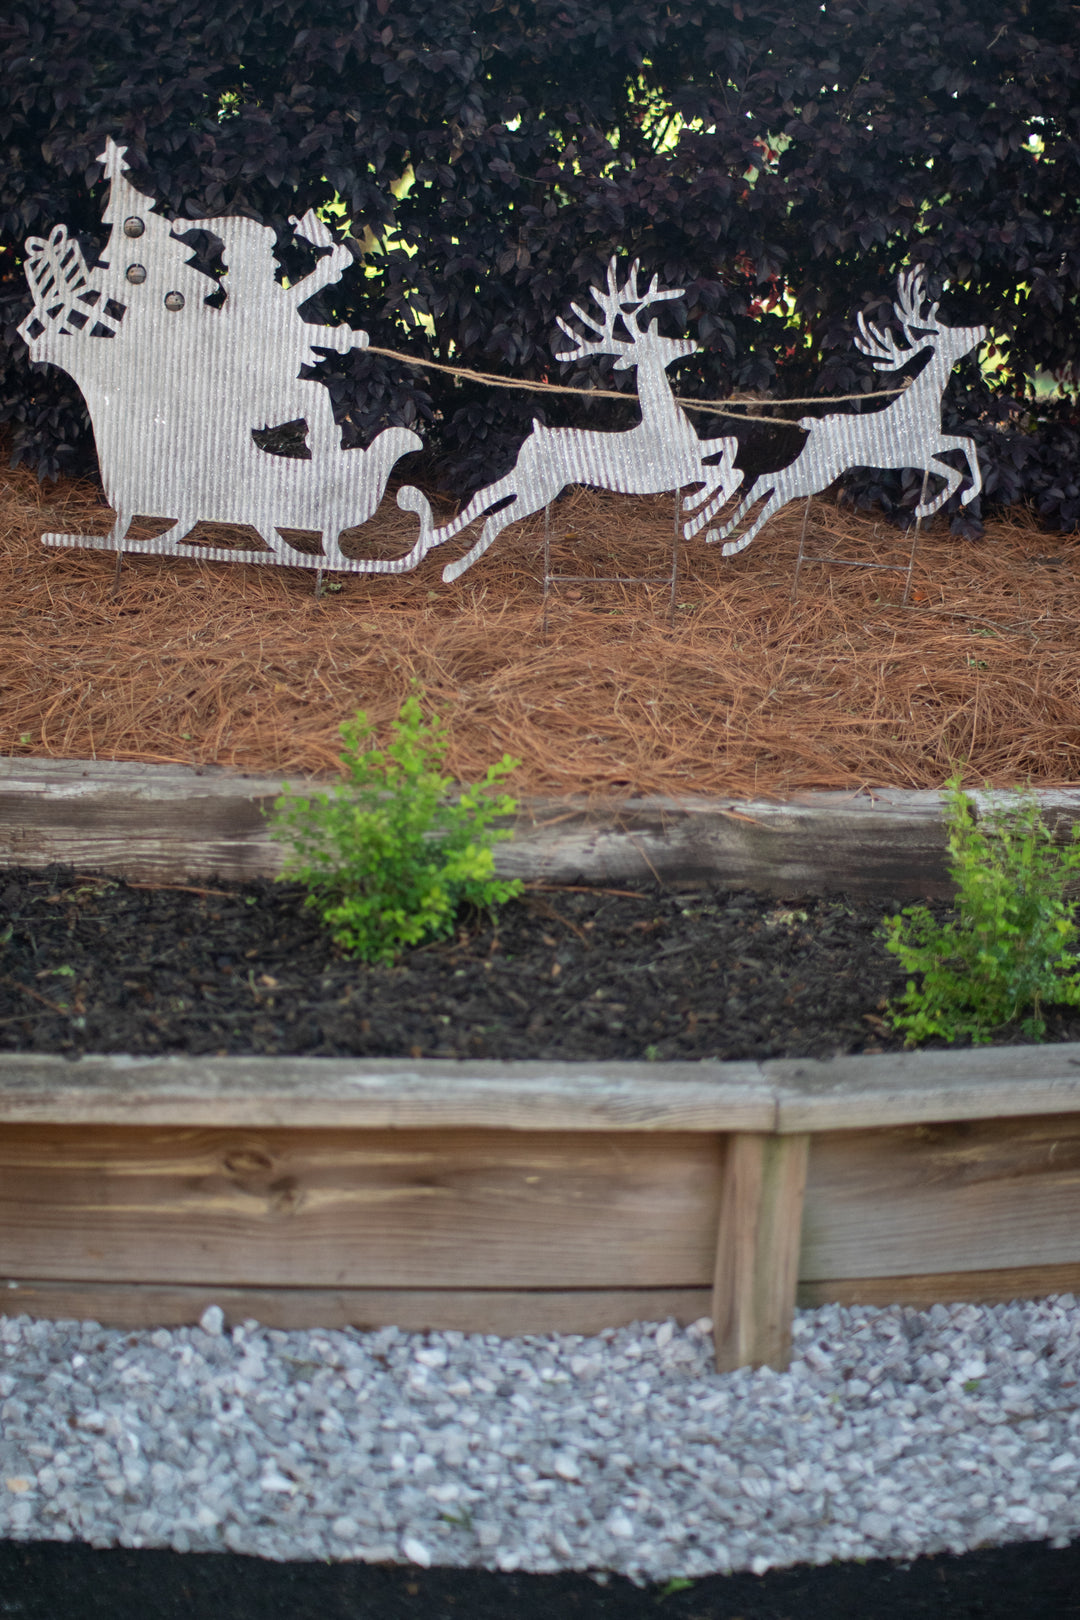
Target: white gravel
(895, 1433)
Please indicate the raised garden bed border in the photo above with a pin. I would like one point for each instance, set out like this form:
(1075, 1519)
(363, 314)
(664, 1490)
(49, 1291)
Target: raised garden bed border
(171, 822)
(534, 1197)
(527, 1197)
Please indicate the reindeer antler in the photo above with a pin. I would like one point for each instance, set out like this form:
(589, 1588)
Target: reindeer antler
(630, 295)
(880, 345)
(911, 295)
(625, 302)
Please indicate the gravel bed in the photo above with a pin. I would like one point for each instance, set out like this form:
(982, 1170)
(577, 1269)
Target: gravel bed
(896, 1432)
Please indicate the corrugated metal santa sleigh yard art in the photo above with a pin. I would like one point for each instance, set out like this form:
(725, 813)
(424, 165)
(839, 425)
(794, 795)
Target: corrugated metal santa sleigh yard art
(183, 387)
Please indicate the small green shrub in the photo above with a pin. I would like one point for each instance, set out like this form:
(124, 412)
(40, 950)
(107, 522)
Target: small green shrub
(388, 856)
(1009, 949)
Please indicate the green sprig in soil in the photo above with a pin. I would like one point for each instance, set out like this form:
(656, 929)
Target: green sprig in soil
(1009, 949)
(392, 853)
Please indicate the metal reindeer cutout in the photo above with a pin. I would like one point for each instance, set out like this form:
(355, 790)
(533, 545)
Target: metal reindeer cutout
(178, 387)
(662, 453)
(906, 433)
(185, 378)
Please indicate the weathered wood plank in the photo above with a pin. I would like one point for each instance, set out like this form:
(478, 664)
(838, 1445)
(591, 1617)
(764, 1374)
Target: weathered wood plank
(152, 822)
(904, 1088)
(335, 1209)
(262, 1092)
(995, 1287)
(889, 843)
(168, 822)
(757, 1250)
(171, 822)
(503, 1311)
(966, 1196)
(786, 1095)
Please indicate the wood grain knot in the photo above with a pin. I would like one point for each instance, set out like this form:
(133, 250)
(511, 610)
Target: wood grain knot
(248, 1162)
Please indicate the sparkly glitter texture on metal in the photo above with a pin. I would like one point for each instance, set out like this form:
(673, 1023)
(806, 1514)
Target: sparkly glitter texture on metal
(186, 378)
(662, 453)
(906, 433)
(177, 386)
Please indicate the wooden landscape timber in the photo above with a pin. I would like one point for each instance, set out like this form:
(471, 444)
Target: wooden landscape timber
(527, 1197)
(167, 823)
(533, 1197)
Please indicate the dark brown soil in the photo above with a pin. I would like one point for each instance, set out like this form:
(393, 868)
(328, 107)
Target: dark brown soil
(48, 1580)
(91, 964)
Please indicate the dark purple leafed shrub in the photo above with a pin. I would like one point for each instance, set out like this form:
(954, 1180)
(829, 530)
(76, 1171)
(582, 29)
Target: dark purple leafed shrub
(780, 159)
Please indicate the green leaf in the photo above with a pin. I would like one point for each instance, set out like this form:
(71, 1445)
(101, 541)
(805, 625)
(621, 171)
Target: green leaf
(677, 1583)
(1009, 949)
(390, 854)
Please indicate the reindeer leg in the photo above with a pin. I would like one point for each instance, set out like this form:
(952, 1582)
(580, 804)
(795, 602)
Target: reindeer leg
(730, 476)
(752, 495)
(966, 445)
(776, 500)
(707, 503)
(779, 497)
(713, 499)
(492, 528)
(715, 496)
(953, 480)
(506, 489)
(720, 474)
(796, 479)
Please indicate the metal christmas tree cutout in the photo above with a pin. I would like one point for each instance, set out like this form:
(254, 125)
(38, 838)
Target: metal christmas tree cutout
(177, 387)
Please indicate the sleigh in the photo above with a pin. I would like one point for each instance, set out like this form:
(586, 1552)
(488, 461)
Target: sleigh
(174, 384)
(185, 457)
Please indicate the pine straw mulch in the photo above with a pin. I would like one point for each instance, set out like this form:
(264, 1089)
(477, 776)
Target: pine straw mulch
(744, 693)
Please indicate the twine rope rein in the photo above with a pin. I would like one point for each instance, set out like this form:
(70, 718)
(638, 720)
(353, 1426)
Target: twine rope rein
(713, 407)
